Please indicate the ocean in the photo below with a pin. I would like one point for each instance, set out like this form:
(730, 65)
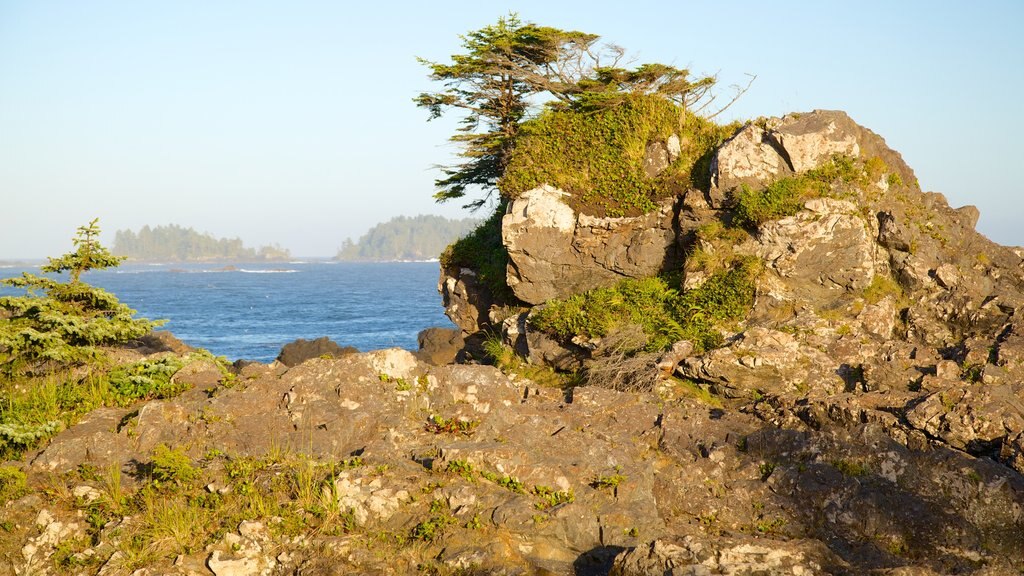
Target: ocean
(249, 311)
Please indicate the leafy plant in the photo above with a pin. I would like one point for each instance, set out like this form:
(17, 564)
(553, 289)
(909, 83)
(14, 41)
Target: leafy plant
(549, 498)
(609, 481)
(483, 252)
(147, 379)
(441, 425)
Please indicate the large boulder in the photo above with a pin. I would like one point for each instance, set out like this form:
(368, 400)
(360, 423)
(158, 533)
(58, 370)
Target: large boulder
(297, 352)
(555, 252)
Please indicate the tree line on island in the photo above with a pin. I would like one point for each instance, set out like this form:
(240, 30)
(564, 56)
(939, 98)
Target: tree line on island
(175, 243)
(421, 237)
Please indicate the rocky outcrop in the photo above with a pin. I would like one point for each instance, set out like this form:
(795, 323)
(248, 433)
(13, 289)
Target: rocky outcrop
(467, 303)
(439, 346)
(865, 417)
(489, 474)
(295, 353)
(556, 252)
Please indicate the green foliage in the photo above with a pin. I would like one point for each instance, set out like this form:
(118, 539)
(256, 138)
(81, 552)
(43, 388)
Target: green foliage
(418, 238)
(609, 481)
(549, 497)
(724, 297)
(16, 437)
(462, 468)
(491, 84)
(851, 468)
(88, 254)
(147, 379)
(441, 425)
(68, 323)
(786, 197)
(665, 315)
(483, 252)
(598, 156)
(881, 287)
(12, 484)
(174, 243)
(595, 313)
(505, 359)
(509, 69)
(172, 466)
(507, 482)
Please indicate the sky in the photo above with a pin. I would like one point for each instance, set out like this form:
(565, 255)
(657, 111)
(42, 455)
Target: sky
(292, 123)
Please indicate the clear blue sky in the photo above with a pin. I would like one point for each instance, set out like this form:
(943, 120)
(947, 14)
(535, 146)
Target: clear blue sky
(292, 122)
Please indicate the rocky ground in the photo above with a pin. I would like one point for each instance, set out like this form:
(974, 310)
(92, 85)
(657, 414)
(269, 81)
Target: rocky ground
(866, 417)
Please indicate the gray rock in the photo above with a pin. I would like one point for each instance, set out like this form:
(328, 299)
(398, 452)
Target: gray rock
(466, 301)
(555, 252)
(439, 346)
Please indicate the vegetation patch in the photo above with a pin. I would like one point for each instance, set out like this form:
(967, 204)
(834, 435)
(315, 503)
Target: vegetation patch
(505, 359)
(482, 252)
(665, 314)
(598, 155)
(441, 425)
(12, 484)
(63, 324)
(785, 197)
(882, 287)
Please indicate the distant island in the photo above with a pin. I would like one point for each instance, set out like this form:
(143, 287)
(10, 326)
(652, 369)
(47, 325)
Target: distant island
(421, 237)
(177, 244)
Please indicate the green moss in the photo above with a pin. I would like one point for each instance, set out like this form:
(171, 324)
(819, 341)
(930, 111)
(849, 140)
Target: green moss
(598, 156)
(483, 252)
(665, 315)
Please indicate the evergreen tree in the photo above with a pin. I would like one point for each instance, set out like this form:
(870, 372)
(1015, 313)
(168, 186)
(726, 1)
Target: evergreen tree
(62, 324)
(511, 67)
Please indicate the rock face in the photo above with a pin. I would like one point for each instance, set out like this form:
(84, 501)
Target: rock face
(556, 252)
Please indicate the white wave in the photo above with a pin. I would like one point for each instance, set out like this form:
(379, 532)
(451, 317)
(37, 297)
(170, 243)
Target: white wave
(246, 271)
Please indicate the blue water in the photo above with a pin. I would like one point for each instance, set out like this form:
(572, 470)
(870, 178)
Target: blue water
(250, 310)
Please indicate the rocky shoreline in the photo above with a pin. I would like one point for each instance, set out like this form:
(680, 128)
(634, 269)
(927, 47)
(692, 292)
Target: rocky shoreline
(865, 417)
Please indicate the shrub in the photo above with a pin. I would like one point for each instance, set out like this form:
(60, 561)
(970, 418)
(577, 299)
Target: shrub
(172, 466)
(665, 315)
(147, 379)
(12, 484)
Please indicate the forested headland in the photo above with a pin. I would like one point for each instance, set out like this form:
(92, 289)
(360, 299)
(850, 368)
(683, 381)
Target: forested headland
(421, 237)
(175, 243)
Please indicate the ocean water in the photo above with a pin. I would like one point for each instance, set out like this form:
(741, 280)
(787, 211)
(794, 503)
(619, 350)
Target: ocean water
(248, 311)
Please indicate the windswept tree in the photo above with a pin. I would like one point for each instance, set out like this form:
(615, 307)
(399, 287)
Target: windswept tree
(492, 83)
(511, 68)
